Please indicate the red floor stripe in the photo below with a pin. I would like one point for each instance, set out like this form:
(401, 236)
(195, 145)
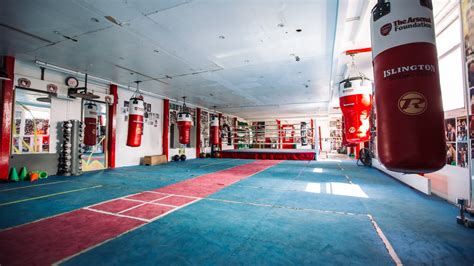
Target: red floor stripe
(205, 185)
(56, 238)
(50, 240)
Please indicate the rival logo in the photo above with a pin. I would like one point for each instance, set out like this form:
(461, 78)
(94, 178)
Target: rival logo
(412, 103)
(386, 29)
(352, 130)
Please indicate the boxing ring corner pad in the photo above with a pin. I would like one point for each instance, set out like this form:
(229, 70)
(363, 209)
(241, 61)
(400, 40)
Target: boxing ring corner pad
(415, 181)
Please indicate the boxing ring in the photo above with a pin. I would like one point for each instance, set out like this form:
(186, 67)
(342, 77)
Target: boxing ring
(270, 154)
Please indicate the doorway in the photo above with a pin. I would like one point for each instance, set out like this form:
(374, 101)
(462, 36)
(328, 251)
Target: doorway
(94, 118)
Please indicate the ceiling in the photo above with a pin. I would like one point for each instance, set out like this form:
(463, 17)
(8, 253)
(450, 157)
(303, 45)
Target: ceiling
(258, 59)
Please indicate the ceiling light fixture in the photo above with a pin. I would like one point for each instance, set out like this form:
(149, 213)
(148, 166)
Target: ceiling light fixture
(222, 37)
(299, 30)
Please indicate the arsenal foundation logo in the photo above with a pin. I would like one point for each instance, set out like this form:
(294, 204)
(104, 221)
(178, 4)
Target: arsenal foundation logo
(412, 103)
(386, 29)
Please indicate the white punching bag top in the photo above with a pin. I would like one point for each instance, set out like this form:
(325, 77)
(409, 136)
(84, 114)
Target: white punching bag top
(399, 22)
(353, 86)
(184, 117)
(214, 121)
(136, 107)
(90, 111)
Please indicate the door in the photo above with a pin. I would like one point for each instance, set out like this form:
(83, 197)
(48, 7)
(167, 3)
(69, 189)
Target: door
(95, 135)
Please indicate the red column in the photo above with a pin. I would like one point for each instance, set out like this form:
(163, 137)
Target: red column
(166, 127)
(320, 139)
(279, 145)
(6, 110)
(235, 133)
(312, 134)
(198, 132)
(220, 130)
(112, 126)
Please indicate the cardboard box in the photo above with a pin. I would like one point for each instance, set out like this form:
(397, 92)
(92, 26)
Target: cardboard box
(154, 160)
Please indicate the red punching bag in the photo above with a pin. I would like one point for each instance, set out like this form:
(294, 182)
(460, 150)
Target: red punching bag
(90, 122)
(135, 122)
(410, 118)
(355, 99)
(214, 130)
(185, 122)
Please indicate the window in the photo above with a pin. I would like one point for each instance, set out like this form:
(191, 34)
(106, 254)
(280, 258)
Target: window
(450, 58)
(31, 123)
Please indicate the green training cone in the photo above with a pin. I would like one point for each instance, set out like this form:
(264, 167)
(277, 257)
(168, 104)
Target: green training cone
(43, 175)
(14, 175)
(23, 174)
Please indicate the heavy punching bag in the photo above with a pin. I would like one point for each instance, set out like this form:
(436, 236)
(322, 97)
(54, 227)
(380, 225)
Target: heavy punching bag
(410, 119)
(344, 140)
(355, 99)
(185, 122)
(215, 130)
(135, 122)
(90, 122)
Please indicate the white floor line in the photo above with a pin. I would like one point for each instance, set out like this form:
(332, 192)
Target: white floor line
(131, 208)
(48, 195)
(31, 186)
(387, 244)
(117, 215)
(134, 200)
(348, 179)
(286, 207)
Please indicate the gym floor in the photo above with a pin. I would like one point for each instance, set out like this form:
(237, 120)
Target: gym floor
(224, 211)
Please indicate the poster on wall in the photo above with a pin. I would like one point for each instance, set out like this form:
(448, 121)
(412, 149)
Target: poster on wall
(450, 129)
(461, 129)
(451, 153)
(462, 147)
(462, 155)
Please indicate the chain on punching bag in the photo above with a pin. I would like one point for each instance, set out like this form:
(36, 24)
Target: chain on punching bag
(410, 118)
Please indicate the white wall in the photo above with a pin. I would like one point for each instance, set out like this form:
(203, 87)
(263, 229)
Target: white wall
(152, 136)
(451, 183)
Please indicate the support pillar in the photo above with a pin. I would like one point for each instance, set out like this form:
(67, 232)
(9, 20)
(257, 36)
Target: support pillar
(112, 127)
(198, 132)
(279, 145)
(166, 127)
(220, 130)
(6, 111)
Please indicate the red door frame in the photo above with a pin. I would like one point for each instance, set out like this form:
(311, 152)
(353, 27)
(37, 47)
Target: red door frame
(6, 96)
(112, 127)
(220, 130)
(166, 127)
